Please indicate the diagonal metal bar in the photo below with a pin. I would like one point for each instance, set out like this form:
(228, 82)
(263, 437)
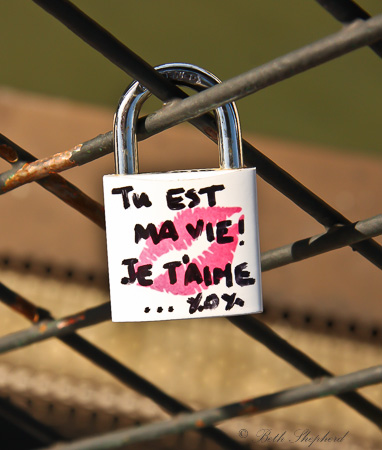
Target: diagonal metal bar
(250, 325)
(29, 431)
(280, 347)
(8, 412)
(110, 47)
(318, 389)
(21, 305)
(111, 365)
(25, 168)
(141, 385)
(48, 328)
(308, 201)
(346, 11)
(316, 245)
(351, 37)
(347, 40)
(74, 197)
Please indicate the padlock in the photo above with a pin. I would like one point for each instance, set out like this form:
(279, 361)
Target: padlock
(181, 244)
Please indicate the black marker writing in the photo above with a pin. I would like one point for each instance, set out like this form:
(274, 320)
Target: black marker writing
(171, 267)
(167, 231)
(199, 275)
(210, 191)
(242, 277)
(195, 232)
(175, 201)
(139, 200)
(140, 274)
(231, 301)
(212, 302)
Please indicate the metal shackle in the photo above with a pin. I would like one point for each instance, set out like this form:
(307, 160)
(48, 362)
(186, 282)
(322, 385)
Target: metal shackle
(125, 119)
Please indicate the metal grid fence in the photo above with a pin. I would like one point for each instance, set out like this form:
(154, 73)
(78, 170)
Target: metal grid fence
(359, 30)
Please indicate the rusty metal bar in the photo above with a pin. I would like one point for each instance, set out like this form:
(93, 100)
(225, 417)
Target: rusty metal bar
(26, 168)
(318, 389)
(21, 305)
(111, 365)
(47, 328)
(333, 239)
(250, 325)
(346, 11)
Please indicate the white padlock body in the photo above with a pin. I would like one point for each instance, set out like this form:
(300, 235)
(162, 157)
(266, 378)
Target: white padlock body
(183, 244)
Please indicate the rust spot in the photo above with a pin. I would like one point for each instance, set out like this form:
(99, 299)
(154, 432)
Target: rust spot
(200, 424)
(211, 133)
(71, 195)
(42, 328)
(25, 308)
(8, 153)
(244, 402)
(70, 321)
(248, 410)
(41, 168)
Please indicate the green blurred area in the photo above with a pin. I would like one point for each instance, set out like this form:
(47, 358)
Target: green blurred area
(335, 104)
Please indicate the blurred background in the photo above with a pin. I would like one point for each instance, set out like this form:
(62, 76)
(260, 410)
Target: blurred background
(322, 126)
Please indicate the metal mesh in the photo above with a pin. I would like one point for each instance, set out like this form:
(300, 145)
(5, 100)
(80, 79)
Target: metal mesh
(360, 30)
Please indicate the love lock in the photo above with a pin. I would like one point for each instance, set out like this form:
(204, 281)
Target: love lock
(181, 244)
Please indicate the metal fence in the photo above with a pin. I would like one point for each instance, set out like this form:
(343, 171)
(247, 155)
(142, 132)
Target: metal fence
(359, 30)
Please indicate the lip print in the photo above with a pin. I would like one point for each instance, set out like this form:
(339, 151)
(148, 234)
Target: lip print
(216, 255)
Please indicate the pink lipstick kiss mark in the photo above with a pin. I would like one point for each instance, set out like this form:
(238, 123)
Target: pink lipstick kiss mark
(216, 255)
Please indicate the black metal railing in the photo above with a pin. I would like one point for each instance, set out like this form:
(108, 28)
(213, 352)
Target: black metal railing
(360, 30)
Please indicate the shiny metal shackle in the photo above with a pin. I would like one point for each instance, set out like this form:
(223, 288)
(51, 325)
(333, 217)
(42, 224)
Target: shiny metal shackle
(125, 119)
